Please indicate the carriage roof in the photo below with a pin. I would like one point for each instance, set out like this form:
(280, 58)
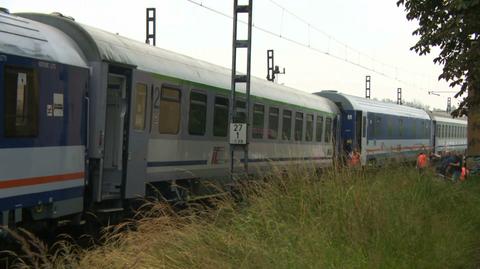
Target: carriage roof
(27, 38)
(350, 102)
(99, 45)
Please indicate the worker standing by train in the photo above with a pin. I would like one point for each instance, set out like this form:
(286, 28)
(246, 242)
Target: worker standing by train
(465, 172)
(455, 166)
(355, 158)
(422, 162)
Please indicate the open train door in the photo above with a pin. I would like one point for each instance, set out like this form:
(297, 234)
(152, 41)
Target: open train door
(138, 135)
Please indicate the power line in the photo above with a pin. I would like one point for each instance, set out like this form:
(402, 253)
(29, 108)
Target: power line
(310, 25)
(317, 50)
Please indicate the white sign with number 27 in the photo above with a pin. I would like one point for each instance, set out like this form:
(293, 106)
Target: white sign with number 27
(238, 133)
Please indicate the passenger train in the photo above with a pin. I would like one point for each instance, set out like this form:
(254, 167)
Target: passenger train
(93, 120)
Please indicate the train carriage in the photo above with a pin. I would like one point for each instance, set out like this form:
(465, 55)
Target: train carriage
(91, 120)
(43, 82)
(450, 134)
(158, 116)
(381, 130)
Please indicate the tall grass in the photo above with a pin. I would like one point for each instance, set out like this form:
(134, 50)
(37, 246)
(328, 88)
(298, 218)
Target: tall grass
(389, 218)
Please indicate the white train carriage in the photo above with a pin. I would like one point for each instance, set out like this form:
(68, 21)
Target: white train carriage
(450, 134)
(160, 116)
(381, 130)
(43, 80)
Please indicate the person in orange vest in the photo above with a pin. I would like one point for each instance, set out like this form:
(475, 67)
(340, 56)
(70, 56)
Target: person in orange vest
(422, 161)
(465, 172)
(355, 158)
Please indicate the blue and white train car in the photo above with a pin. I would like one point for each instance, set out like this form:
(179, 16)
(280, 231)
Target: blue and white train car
(43, 82)
(450, 134)
(381, 130)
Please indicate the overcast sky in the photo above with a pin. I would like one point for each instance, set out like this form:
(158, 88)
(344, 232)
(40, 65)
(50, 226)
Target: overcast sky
(370, 33)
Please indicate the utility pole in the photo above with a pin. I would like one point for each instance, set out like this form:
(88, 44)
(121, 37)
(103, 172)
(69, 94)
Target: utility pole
(272, 69)
(367, 87)
(399, 96)
(239, 131)
(151, 34)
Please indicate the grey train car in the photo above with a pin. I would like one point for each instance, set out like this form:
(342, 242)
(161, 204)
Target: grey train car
(114, 117)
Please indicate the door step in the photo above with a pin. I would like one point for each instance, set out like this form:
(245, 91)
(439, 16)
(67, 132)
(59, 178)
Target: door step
(110, 210)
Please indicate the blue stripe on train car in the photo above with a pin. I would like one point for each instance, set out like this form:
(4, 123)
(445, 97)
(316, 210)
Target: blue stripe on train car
(33, 199)
(71, 81)
(391, 127)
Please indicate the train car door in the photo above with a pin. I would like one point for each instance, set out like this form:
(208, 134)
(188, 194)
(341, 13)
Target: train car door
(114, 138)
(358, 130)
(363, 140)
(138, 135)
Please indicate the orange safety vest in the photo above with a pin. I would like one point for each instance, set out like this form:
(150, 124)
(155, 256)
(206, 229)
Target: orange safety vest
(422, 161)
(464, 173)
(355, 160)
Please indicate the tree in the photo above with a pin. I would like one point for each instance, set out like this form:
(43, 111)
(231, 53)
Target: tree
(453, 26)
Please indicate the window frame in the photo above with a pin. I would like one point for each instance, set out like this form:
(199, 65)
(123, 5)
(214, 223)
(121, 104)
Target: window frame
(328, 133)
(301, 138)
(33, 107)
(262, 136)
(136, 106)
(179, 123)
(215, 97)
(289, 138)
(322, 130)
(205, 94)
(307, 138)
(269, 123)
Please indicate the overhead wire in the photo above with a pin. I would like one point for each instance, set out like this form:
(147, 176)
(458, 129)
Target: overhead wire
(309, 46)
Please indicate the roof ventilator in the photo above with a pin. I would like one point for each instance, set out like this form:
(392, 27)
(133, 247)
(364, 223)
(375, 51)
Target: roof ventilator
(63, 16)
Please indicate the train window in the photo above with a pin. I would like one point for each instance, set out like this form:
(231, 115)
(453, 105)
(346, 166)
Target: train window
(287, 125)
(378, 126)
(422, 131)
(390, 126)
(140, 106)
(197, 116)
(427, 129)
(319, 129)
(400, 127)
(364, 127)
(169, 121)
(21, 102)
(258, 120)
(241, 112)
(328, 129)
(309, 128)
(415, 131)
(298, 126)
(273, 117)
(220, 117)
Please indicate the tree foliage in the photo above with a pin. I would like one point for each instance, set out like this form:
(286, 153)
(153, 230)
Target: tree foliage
(453, 26)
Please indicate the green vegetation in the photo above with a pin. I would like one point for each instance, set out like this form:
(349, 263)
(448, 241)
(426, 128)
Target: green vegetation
(452, 27)
(391, 218)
